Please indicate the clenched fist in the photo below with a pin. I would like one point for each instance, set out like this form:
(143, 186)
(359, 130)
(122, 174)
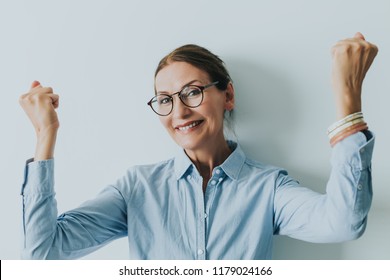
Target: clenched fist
(40, 104)
(351, 60)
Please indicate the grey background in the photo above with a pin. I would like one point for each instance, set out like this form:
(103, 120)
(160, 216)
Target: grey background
(100, 57)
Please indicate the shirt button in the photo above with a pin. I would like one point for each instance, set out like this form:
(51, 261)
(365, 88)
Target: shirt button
(200, 252)
(213, 182)
(360, 187)
(220, 179)
(188, 177)
(218, 171)
(205, 215)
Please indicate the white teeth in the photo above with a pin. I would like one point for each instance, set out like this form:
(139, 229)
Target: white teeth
(189, 126)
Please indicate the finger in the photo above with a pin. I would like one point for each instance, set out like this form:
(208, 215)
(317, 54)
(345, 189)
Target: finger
(55, 99)
(46, 89)
(375, 48)
(359, 35)
(35, 84)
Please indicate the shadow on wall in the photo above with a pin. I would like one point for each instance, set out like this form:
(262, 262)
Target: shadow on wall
(265, 116)
(265, 111)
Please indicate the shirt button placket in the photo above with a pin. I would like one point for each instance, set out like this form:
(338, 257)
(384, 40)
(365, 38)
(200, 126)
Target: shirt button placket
(201, 237)
(200, 252)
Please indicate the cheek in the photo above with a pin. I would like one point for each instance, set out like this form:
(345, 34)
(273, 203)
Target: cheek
(218, 110)
(215, 115)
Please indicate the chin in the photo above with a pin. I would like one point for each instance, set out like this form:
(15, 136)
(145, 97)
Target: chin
(189, 144)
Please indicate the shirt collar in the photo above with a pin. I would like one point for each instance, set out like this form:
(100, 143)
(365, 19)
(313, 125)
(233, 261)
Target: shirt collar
(231, 166)
(182, 164)
(234, 163)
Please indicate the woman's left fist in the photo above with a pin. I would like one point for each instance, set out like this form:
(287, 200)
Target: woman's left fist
(352, 58)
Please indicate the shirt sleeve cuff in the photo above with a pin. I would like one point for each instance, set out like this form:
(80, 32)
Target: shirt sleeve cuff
(38, 176)
(355, 150)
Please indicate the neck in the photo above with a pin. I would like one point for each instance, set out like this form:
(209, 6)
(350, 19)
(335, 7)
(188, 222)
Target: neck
(207, 158)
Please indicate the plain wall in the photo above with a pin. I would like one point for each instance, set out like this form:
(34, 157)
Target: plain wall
(100, 56)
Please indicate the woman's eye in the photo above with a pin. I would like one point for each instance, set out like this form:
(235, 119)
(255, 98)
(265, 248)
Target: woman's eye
(193, 92)
(164, 101)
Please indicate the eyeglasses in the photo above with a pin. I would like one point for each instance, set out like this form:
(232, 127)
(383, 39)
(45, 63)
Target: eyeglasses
(190, 95)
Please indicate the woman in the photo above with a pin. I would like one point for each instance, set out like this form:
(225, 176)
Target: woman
(211, 201)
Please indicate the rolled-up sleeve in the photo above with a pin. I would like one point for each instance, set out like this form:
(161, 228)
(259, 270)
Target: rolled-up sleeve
(341, 213)
(350, 181)
(39, 206)
(75, 233)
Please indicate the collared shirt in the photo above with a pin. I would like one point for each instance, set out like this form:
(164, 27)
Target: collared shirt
(165, 214)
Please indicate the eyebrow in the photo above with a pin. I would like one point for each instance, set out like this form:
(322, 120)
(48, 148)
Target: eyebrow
(187, 84)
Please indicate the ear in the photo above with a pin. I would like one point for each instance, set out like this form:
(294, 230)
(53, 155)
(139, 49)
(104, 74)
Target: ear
(229, 102)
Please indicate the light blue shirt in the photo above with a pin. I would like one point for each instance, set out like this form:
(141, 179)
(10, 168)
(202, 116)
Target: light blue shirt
(162, 209)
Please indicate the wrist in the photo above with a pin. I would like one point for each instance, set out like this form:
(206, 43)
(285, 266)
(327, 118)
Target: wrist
(45, 145)
(46, 132)
(347, 104)
(343, 111)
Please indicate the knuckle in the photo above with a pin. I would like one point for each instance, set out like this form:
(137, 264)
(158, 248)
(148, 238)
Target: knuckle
(358, 48)
(49, 89)
(361, 45)
(31, 98)
(34, 97)
(342, 48)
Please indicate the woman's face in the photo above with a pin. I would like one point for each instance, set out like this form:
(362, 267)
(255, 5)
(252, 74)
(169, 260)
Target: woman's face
(193, 128)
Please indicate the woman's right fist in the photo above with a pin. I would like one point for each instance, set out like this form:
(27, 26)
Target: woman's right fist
(40, 104)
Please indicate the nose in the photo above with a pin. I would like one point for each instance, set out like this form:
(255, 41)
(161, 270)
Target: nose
(180, 110)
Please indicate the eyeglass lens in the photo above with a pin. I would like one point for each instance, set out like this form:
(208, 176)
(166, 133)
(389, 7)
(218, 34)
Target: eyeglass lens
(191, 96)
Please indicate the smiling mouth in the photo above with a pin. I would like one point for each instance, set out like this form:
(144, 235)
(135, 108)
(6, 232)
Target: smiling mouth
(191, 125)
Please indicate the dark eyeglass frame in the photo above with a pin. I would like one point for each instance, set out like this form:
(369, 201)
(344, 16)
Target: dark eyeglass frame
(170, 96)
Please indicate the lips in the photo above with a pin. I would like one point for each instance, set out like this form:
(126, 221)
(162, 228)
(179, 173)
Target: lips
(188, 125)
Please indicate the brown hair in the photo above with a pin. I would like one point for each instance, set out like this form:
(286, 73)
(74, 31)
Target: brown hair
(200, 58)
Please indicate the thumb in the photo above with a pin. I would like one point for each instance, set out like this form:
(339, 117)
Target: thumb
(359, 36)
(35, 84)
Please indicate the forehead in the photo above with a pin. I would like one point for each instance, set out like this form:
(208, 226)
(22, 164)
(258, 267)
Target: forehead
(176, 74)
